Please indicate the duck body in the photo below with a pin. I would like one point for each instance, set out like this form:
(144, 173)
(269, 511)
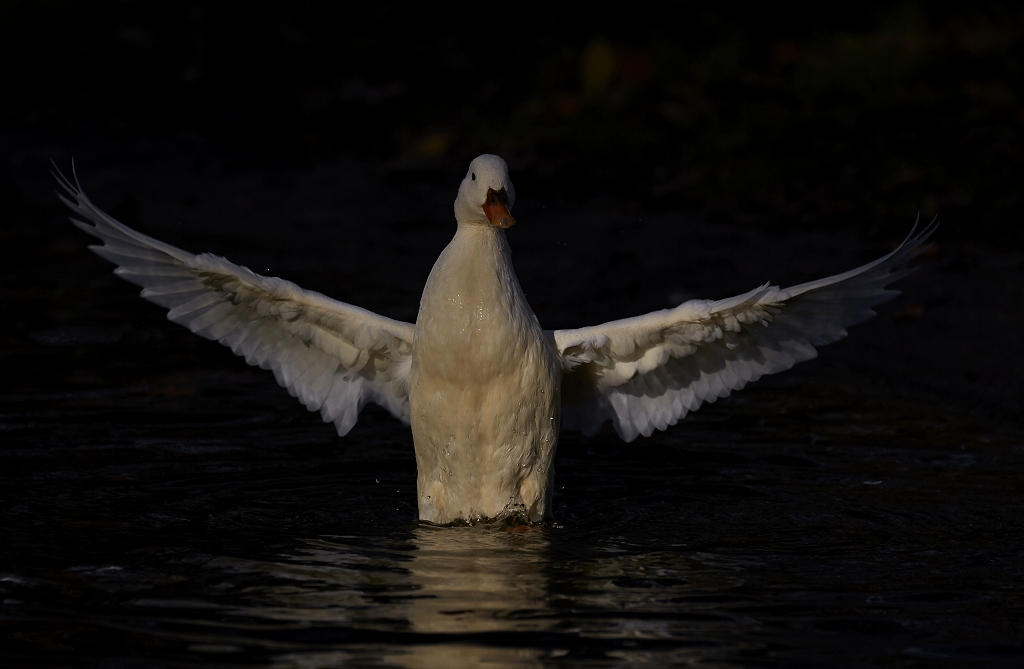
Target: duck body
(483, 388)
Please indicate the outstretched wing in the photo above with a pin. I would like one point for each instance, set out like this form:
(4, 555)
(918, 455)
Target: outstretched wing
(333, 356)
(648, 372)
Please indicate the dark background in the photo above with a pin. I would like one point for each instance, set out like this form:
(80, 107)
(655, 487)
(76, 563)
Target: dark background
(858, 115)
(869, 499)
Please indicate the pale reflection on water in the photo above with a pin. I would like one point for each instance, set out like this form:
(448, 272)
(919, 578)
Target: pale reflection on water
(461, 581)
(478, 579)
(483, 596)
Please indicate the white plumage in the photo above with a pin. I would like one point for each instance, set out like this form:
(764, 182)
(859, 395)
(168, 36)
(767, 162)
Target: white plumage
(332, 356)
(647, 372)
(484, 387)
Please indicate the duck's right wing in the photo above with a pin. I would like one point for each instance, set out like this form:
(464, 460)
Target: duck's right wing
(333, 356)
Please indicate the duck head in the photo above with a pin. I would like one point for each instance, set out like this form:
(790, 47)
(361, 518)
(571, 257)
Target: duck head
(486, 194)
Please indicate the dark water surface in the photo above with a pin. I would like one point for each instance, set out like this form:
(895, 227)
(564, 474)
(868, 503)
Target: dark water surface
(813, 529)
(162, 504)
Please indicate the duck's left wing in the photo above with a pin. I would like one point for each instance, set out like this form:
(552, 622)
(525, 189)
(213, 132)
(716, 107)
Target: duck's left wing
(334, 357)
(648, 372)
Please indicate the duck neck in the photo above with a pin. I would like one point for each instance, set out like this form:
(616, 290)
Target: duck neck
(472, 276)
(483, 234)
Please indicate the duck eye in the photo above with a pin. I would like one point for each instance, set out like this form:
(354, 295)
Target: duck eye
(473, 175)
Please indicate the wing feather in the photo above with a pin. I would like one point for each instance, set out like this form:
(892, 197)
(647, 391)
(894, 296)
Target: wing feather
(648, 372)
(334, 357)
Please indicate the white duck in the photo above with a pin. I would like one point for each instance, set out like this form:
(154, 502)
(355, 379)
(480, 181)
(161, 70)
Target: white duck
(482, 385)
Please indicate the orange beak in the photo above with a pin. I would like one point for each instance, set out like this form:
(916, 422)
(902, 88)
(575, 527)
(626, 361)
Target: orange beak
(496, 208)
